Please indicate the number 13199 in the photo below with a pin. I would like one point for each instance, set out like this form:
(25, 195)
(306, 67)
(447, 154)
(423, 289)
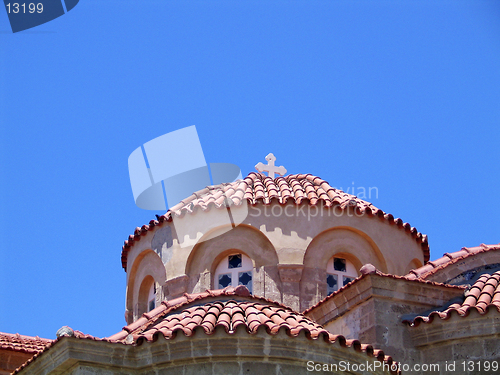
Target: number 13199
(22, 8)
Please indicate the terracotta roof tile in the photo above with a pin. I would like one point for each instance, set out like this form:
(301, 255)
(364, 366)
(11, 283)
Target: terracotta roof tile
(257, 188)
(483, 296)
(449, 258)
(21, 343)
(253, 313)
(229, 308)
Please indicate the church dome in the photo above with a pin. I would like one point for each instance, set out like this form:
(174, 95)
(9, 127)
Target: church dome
(293, 239)
(257, 188)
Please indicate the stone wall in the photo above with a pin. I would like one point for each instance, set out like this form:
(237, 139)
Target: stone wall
(460, 345)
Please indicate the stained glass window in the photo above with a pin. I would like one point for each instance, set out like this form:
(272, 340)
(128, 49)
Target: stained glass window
(331, 281)
(234, 270)
(339, 264)
(234, 261)
(339, 272)
(347, 280)
(245, 278)
(224, 280)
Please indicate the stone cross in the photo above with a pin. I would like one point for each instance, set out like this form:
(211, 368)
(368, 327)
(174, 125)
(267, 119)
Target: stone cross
(270, 168)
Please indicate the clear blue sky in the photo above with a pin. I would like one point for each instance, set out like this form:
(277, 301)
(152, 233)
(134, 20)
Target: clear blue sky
(399, 95)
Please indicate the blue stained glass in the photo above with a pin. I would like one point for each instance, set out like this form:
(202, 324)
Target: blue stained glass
(347, 280)
(331, 280)
(245, 278)
(339, 264)
(224, 280)
(234, 261)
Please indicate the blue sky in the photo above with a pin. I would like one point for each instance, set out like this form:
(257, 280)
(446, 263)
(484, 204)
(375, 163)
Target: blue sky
(399, 95)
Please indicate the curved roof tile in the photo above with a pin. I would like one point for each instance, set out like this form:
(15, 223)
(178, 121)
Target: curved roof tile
(483, 296)
(226, 309)
(257, 188)
(230, 309)
(448, 259)
(25, 344)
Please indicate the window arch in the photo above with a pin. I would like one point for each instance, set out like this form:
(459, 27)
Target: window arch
(233, 270)
(146, 294)
(339, 272)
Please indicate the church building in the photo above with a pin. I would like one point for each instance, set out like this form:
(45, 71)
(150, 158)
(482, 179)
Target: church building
(285, 275)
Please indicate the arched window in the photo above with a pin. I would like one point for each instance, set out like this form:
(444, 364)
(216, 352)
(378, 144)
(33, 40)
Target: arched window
(235, 269)
(339, 272)
(152, 297)
(146, 297)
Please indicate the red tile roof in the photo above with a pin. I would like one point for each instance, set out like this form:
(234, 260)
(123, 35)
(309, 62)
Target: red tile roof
(252, 313)
(447, 259)
(369, 270)
(229, 308)
(257, 188)
(483, 296)
(25, 344)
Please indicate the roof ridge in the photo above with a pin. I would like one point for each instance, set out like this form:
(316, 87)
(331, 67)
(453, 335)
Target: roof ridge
(448, 259)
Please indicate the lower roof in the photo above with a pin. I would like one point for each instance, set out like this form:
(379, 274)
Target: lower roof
(21, 343)
(448, 259)
(230, 309)
(483, 297)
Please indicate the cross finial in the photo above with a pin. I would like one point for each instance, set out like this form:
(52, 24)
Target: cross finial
(270, 168)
